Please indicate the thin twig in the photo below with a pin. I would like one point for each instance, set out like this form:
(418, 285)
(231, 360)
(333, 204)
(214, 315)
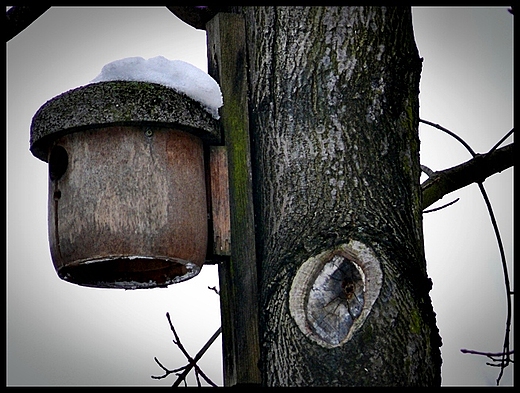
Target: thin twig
(197, 358)
(215, 290)
(439, 127)
(499, 143)
(192, 362)
(177, 340)
(505, 354)
(166, 371)
(441, 207)
(488, 354)
(505, 358)
(493, 356)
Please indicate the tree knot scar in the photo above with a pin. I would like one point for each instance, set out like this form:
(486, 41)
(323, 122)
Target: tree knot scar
(333, 293)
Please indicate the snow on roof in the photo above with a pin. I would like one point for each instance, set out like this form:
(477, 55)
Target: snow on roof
(176, 74)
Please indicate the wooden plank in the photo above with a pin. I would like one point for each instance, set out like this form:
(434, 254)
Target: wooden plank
(238, 285)
(219, 188)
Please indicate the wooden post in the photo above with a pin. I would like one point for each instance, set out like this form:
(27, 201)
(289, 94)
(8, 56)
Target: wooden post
(238, 277)
(219, 191)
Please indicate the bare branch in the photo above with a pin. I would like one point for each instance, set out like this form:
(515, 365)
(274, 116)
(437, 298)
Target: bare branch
(441, 207)
(177, 340)
(197, 358)
(502, 358)
(197, 378)
(488, 354)
(500, 141)
(504, 362)
(192, 362)
(166, 371)
(475, 170)
(215, 290)
(451, 133)
(505, 356)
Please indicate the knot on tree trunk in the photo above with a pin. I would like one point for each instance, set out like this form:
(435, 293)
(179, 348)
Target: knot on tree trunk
(333, 293)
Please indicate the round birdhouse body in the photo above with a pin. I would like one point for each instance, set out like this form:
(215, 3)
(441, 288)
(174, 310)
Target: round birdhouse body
(127, 199)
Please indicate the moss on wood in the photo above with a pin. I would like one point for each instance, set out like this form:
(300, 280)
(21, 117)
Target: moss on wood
(119, 103)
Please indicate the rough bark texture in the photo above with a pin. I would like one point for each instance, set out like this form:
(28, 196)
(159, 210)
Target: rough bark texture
(333, 96)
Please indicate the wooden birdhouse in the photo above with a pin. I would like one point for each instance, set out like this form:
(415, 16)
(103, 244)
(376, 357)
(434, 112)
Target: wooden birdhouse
(127, 189)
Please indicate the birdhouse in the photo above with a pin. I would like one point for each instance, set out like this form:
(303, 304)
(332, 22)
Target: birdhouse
(127, 201)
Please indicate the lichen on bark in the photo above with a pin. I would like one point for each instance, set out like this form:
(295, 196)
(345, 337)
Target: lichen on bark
(333, 103)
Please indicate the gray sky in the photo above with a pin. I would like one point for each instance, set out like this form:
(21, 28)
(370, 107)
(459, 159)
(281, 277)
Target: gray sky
(63, 334)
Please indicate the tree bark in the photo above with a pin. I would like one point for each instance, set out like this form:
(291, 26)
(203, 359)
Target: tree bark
(333, 103)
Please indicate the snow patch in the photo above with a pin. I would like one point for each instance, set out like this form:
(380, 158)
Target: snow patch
(176, 74)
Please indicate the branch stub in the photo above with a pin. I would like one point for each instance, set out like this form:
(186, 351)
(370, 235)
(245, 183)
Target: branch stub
(333, 293)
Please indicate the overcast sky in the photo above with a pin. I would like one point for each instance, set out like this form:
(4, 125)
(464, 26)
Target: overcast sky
(63, 334)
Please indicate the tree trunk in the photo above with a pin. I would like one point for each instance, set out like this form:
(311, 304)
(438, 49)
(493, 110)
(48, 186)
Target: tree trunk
(343, 290)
